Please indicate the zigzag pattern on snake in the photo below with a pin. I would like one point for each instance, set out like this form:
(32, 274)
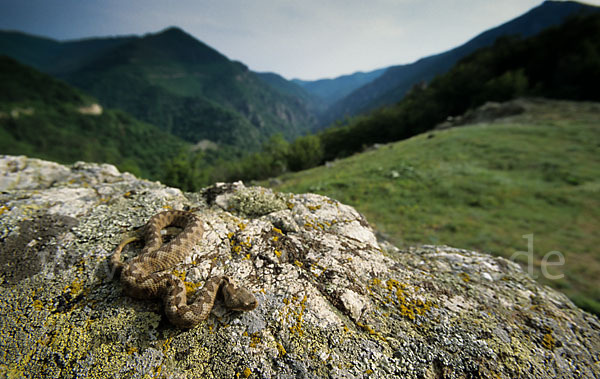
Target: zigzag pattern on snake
(145, 276)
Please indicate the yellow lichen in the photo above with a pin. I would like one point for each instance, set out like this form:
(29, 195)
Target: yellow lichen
(370, 330)
(167, 344)
(548, 341)
(254, 339)
(281, 349)
(396, 295)
(293, 315)
(38, 305)
(297, 328)
(179, 274)
(191, 287)
(247, 372)
(246, 243)
(75, 288)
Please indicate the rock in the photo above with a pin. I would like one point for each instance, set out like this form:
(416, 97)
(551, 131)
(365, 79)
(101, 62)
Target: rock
(334, 302)
(488, 112)
(91, 110)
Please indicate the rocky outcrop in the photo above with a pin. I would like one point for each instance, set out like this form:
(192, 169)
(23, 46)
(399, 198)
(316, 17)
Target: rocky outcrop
(92, 110)
(334, 302)
(491, 111)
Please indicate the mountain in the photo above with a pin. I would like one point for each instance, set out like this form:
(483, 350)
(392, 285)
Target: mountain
(292, 88)
(47, 118)
(172, 80)
(392, 85)
(53, 57)
(562, 62)
(330, 91)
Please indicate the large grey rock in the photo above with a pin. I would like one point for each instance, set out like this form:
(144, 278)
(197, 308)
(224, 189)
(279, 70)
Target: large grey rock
(333, 301)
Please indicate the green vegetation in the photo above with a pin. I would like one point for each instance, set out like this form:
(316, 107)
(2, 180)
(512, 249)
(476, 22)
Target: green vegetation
(562, 62)
(173, 81)
(483, 187)
(181, 85)
(41, 117)
(156, 78)
(397, 81)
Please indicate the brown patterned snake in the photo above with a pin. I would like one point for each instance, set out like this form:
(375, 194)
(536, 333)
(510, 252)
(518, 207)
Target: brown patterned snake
(144, 276)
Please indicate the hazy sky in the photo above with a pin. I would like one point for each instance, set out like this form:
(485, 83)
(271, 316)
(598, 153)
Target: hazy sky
(307, 39)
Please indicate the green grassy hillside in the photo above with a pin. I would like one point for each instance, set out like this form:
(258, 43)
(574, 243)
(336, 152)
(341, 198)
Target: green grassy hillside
(484, 187)
(41, 117)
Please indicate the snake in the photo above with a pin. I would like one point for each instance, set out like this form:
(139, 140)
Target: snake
(146, 276)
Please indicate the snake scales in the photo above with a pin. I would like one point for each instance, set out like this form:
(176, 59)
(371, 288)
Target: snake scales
(145, 276)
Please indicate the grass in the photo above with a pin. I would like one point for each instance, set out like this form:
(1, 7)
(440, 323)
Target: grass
(485, 187)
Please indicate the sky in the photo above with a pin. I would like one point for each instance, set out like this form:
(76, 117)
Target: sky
(305, 39)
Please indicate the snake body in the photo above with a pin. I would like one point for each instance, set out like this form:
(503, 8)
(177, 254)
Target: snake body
(145, 276)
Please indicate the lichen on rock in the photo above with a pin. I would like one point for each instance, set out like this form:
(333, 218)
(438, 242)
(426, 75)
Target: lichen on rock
(334, 301)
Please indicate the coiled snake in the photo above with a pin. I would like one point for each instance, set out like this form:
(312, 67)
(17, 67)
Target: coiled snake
(145, 276)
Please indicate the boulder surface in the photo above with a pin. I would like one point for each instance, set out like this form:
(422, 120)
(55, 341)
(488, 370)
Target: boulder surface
(333, 300)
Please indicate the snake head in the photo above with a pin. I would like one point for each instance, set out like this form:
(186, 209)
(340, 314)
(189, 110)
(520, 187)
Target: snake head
(238, 298)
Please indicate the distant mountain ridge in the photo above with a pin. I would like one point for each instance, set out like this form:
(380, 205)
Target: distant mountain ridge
(332, 90)
(189, 89)
(171, 80)
(54, 57)
(393, 84)
(291, 88)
